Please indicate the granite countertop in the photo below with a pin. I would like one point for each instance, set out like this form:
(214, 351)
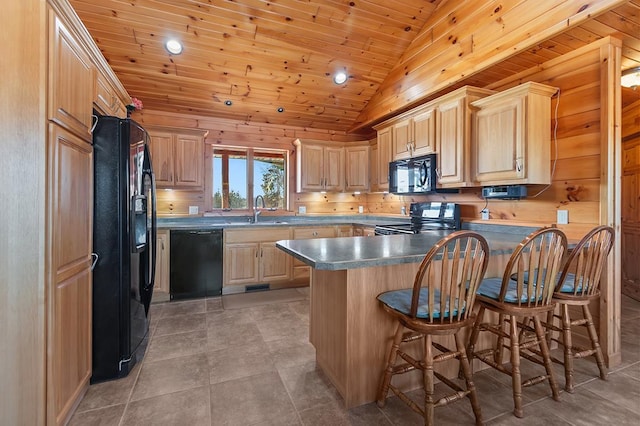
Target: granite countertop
(269, 221)
(361, 252)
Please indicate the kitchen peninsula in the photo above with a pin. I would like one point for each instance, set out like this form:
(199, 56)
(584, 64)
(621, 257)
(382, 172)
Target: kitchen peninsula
(348, 328)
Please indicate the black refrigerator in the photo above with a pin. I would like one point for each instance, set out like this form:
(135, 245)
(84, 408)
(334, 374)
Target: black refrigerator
(124, 240)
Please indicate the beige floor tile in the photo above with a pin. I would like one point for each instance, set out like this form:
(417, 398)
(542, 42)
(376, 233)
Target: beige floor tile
(620, 388)
(239, 361)
(112, 392)
(176, 345)
(288, 353)
(180, 324)
(107, 416)
(260, 399)
(190, 407)
(308, 386)
(197, 306)
(214, 304)
(171, 375)
(224, 336)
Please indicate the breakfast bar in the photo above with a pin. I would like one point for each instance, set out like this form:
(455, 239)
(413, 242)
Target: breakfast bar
(348, 328)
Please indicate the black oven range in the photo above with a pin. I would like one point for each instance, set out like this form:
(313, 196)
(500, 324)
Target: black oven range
(425, 217)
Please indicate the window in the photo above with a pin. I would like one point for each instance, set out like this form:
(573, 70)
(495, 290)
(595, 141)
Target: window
(240, 175)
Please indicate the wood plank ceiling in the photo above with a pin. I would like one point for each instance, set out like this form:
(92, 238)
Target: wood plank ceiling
(267, 54)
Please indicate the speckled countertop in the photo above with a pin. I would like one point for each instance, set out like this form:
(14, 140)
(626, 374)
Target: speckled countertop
(362, 252)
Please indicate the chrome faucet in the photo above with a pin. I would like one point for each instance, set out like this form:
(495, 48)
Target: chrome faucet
(256, 212)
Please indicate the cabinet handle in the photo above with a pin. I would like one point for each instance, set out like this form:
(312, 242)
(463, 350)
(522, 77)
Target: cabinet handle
(518, 165)
(256, 252)
(260, 252)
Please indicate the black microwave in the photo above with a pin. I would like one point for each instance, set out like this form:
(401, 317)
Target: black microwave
(413, 175)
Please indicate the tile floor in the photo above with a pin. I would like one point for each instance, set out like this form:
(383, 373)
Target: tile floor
(254, 366)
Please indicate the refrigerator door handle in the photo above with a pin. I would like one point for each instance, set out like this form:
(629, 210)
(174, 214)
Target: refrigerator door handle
(94, 261)
(154, 232)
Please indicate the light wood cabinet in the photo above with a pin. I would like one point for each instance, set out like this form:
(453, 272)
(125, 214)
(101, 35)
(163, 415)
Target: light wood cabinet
(302, 272)
(373, 165)
(163, 263)
(383, 157)
(177, 158)
(344, 231)
(363, 231)
(320, 167)
(415, 134)
(251, 256)
(105, 99)
(453, 136)
(70, 80)
(70, 199)
(512, 138)
(357, 168)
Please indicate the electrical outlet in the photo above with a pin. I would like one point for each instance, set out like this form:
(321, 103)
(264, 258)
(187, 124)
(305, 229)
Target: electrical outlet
(563, 217)
(193, 209)
(485, 214)
(360, 209)
(302, 210)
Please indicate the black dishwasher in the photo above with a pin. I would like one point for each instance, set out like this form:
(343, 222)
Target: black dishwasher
(196, 263)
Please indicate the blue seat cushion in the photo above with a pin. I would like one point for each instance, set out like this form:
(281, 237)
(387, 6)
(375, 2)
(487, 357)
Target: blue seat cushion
(567, 286)
(490, 287)
(400, 300)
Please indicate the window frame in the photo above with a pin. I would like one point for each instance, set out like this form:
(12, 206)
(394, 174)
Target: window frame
(250, 153)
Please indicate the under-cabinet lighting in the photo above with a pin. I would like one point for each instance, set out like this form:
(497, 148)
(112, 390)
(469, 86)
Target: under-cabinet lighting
(173, 46)
(630, 77)
(356, 193)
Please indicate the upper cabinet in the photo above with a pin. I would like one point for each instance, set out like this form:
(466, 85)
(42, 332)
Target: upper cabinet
(70, 70)
(105, 99)
(453, 136)
(320, 167)
(512, 136)
(177, 156)
(415, 134)
(381, 156)
(357, 167)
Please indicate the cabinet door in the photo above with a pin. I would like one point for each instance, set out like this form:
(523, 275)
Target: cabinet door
(241, 263)
(424, 132)
(450, 138)
(70, 81)
(402, 139)
(189, 161)
(312, 168)
(161, 147)
(104, 99)
(70, 219)
(333, 169)
(384, 157)
(162, 263)
(373, 168)
(499, 142)
(357, 168)
(275, 265)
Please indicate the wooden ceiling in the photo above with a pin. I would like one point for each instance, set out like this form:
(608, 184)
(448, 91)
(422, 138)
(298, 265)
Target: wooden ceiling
(267, 54)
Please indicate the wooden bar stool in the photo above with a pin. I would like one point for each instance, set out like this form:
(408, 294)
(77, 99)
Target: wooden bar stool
(578, 285)
(534, 266)
(440, 303)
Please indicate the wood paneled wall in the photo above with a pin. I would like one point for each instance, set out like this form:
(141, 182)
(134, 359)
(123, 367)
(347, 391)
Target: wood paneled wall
(576, 158)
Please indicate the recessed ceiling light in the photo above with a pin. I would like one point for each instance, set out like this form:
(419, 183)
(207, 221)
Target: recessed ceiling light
(280, 109)
(228, 102)
(630, 77)
(173, 46)
(340, 77)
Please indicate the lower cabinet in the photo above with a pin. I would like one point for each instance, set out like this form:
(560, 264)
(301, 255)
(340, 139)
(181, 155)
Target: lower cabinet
(302, 272)
(363, 231)
(162, 262)
(251, 257)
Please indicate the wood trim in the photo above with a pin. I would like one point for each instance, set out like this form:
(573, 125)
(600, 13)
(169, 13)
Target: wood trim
(610, 197)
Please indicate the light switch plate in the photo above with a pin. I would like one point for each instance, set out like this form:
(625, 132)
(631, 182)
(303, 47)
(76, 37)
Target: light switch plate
(360, 209)
(193, 209)
(302, 210)
(563, 217)
(485, 214)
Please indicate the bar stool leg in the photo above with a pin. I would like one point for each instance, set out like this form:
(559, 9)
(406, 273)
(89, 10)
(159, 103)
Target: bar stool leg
(516, 378)
(474, 337)
(498, 354)
(466, 371)
(595, 342)
(388, 372)
(568, 349)
(429, 385)
(546, 356)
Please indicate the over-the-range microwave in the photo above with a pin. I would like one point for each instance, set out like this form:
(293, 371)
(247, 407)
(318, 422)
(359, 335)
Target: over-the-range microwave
(413, 175)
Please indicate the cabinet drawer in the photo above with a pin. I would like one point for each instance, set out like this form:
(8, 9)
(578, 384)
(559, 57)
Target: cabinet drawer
(256, 235)
(309, 233)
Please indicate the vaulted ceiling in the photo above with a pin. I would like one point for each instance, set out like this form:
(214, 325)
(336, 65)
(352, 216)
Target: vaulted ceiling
(267, 54)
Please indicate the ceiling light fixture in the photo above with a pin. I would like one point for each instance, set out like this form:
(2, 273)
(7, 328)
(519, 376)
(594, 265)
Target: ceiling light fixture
(280, 109)
(340, 77)
(630, 77)
(228, 102)
(173, 46)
